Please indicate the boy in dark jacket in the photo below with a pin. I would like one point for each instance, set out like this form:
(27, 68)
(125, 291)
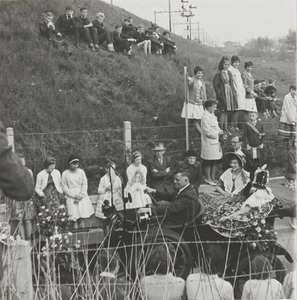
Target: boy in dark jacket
(169, 45)
(142, 41)
(121, 41)
(86, 29)
(47, 27)
(104, 35)
(65, 25)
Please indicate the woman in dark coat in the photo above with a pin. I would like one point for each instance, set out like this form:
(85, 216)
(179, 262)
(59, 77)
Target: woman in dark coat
(225, 93)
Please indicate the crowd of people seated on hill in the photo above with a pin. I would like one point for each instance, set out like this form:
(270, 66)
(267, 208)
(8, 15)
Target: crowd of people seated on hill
(122, 39)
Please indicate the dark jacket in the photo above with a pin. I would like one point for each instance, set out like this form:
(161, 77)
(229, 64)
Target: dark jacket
(140, 37)
(100, 27)
(119, 39)
(252, 138)
(62, 24)
(270, 91)
(194, 170)
(81, 22)
(260, 94)
(15, 180)
(44, 29)
(129, 30)
(219, 87)
(157, 177)
(183, 207)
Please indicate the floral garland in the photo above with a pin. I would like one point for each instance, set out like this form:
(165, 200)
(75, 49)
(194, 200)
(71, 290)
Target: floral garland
(48, 220)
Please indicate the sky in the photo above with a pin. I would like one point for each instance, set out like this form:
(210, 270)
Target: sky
(220, 20)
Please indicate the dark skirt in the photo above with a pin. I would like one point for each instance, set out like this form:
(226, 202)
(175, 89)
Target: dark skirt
(286, 130)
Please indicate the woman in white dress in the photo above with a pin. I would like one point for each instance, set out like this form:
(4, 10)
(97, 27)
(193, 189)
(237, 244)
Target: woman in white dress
(239, 91)
(136, 184)
(75, 187)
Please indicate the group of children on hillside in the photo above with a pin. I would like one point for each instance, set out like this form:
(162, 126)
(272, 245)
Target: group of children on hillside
(121, 39)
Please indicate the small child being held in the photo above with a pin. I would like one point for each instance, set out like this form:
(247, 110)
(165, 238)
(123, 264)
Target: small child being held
(253, 135)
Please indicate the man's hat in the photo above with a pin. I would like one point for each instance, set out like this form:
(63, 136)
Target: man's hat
(159, 147)
(190, 153)
(231, 155)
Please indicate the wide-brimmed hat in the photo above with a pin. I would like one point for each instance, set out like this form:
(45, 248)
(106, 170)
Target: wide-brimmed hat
(232, 155)
(159, 147)
(190, 153)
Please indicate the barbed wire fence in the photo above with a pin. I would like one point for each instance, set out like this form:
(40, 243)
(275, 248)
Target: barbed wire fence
(95, 146)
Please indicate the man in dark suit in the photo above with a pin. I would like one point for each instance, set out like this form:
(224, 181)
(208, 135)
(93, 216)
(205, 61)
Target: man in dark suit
(65, 25)
(246, 156)
(160, 170)
(184, 203)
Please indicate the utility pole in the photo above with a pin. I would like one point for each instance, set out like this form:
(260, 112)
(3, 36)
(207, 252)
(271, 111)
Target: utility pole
(169, 15)
(165, 12)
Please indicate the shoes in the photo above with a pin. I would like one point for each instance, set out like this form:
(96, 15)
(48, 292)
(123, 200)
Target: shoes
(110, 48)
(96, 47)
(293, 223)
(77, 45)
(210, 182)
(237, 129)
(92, 47)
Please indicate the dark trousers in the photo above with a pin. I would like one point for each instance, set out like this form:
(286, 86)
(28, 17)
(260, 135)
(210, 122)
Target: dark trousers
(71, 31)
(270, 105)
(90, 34)
(48, 33)
(122, 46)
(168, 50)
(105, 36)
(261, 106)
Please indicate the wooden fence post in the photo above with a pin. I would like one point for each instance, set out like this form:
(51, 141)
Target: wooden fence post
(10, 137)
(186, 107)
(127, 141)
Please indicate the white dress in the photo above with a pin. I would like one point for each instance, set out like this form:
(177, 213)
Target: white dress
(117, 194)
(136, 185)
(239, 88)
(73, 184)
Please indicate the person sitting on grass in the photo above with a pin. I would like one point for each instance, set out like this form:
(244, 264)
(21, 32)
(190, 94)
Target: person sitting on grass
(122, 42)
(262, 285)
(261, 99)
(162, 284)
(157, 44)
(104, 35)
(207, 284)
(65, 25)
(142, 41)
(169, 45)
(128, 28)
(86, 29)
(47, 27)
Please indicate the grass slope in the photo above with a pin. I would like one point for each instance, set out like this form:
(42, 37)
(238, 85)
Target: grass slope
(91, 94)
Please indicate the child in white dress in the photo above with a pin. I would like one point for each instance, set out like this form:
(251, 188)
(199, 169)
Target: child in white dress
(136, 184)
(75, 187)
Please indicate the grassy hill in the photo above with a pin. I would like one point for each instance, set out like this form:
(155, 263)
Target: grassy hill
(58, 104)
